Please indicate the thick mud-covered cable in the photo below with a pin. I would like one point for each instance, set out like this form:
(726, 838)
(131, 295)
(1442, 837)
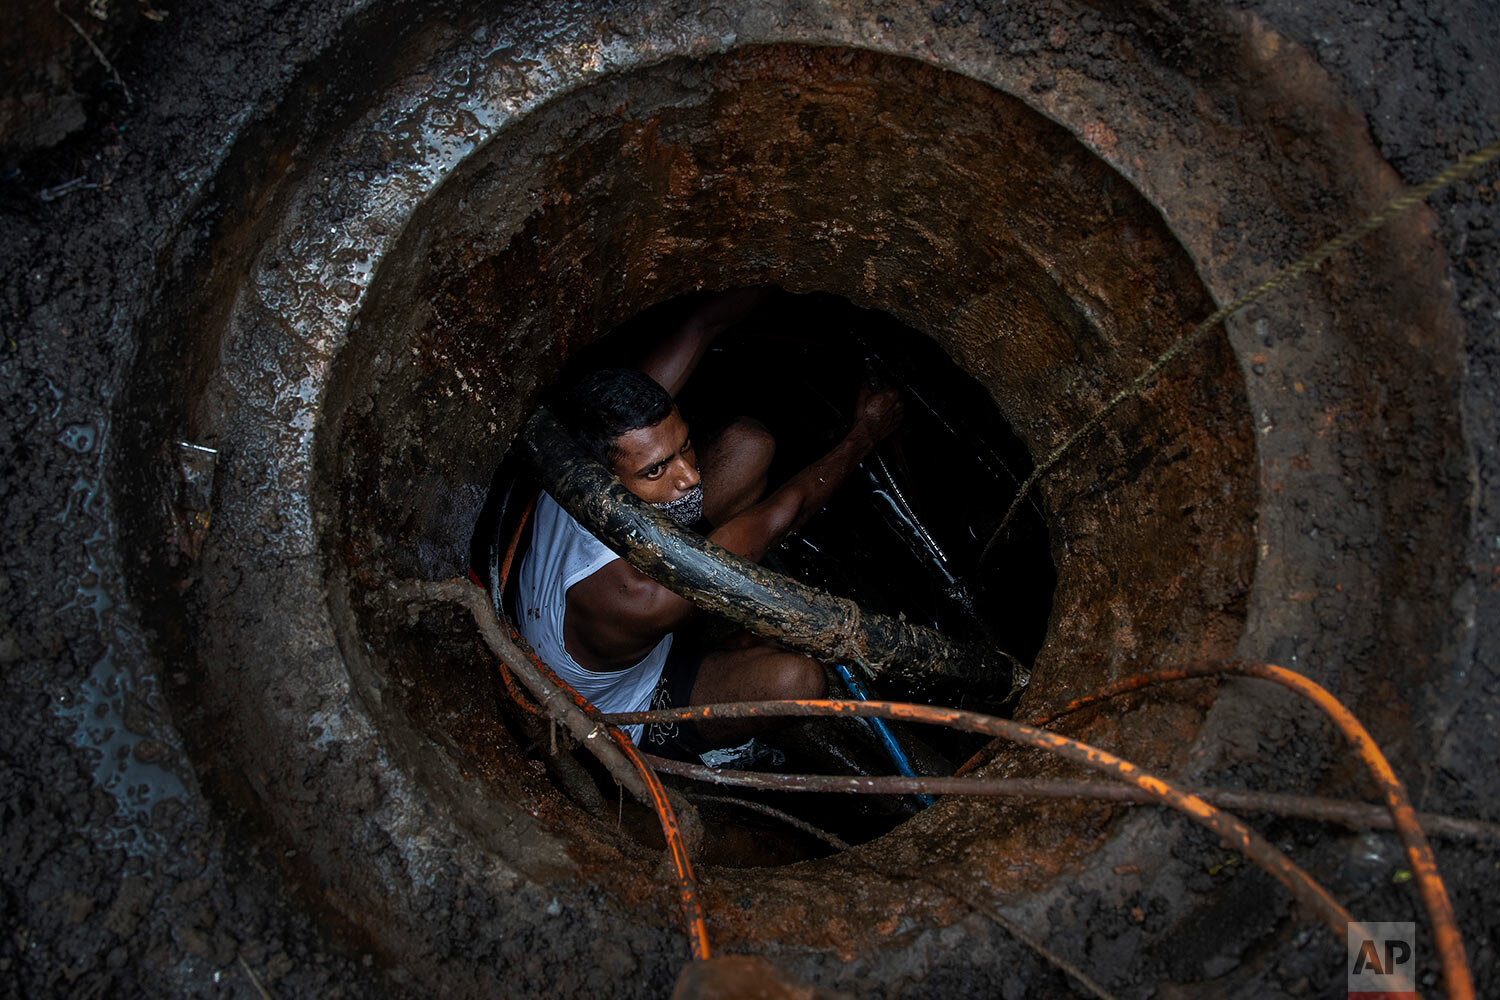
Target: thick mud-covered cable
(1457, 980)
(1313, 260)
(1297, 881)
(609, 745)
(763, 602)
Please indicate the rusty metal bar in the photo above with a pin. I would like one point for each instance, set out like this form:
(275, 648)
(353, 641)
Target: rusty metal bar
(764, 602)
(1345, 812)
(1457, 978)
(1303, 887)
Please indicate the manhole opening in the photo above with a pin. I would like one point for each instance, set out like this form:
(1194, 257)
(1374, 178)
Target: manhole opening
(957, 210)
(902, 536)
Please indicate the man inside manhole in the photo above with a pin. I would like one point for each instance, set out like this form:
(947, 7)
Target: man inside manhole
(619, 637)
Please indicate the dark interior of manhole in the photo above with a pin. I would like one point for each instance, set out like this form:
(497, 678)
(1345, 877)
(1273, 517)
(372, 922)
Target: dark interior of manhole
(903, 535)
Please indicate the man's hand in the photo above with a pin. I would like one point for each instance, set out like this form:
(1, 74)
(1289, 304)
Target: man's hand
(877, 413)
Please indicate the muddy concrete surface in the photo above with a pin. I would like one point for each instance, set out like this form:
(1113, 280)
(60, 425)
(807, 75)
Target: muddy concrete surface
(282, 281)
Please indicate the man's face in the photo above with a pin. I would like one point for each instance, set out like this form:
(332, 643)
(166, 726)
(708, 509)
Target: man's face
(657, 463)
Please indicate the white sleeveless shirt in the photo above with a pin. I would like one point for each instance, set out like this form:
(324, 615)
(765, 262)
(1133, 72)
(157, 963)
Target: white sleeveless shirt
(562, 553)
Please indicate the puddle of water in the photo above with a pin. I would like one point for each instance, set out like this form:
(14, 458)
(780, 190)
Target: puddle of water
(79, 437)
(125, 763)
(90, 591)
(80, 485)
(95, 711)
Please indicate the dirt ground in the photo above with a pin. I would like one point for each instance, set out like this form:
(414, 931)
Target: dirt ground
(122, 876)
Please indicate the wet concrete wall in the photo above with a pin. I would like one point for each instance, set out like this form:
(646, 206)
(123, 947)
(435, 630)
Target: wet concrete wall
(351, 253)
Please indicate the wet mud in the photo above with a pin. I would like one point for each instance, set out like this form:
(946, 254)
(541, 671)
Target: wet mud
(347, 247)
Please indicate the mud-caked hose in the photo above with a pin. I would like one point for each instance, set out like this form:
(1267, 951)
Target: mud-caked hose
(768, 604)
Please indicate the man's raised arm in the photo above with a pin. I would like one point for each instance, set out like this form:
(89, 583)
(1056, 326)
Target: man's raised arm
(756, 531)
(618, 614)
(673, 358)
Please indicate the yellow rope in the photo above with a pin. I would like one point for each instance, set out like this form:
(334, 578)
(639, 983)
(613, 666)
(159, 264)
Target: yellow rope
(1313, 260)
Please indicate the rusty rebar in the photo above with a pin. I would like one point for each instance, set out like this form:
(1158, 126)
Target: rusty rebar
(1297, 881)
(1344, 812)
(1457, 980)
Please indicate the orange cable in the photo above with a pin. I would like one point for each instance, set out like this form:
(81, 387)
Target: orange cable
(1457, 980)
(692, 908)
(483, 612)
(505, 564)
(687, 886)
(1297, 881)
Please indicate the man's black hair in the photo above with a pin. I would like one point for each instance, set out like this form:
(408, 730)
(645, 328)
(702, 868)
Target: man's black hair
(609, 402)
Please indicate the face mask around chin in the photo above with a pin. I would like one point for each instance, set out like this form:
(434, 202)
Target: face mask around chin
(686, 509)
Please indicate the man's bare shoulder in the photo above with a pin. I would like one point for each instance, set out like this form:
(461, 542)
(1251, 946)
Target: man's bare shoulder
(616, 586)
(617, 615)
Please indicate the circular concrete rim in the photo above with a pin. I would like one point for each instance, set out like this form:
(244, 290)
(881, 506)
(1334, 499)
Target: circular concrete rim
(629, 193)
(313, 276)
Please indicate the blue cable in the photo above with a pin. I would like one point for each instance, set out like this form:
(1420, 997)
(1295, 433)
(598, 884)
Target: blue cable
(898, 756)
